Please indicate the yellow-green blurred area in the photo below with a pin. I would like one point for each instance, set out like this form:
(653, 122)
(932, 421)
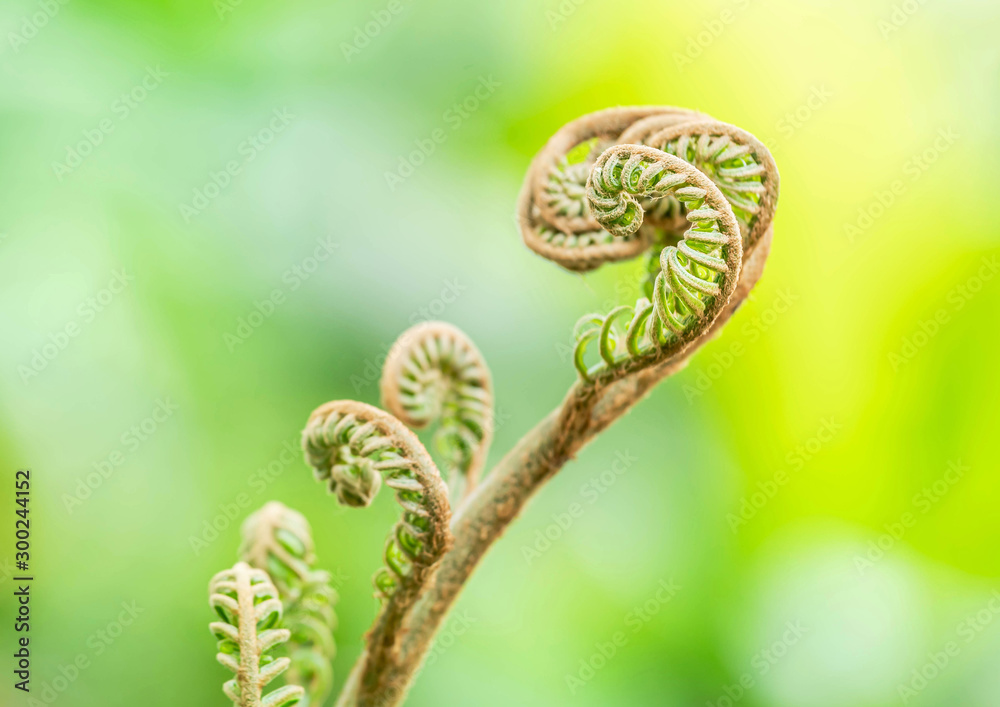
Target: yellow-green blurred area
(216, 217)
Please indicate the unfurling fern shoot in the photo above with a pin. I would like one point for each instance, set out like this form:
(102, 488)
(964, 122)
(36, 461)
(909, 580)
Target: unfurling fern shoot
(352, 447)
(279, 540)
(248, 604)
(434, 373)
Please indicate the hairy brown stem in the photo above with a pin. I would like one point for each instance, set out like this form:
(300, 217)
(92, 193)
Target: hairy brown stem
(586, 411)
(700, 284)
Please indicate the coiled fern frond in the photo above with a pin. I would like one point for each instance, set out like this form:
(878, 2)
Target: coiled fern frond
(696, 194)
(736, 162)
(554, 215)
(434, 373)
(353, 446)
(247, 602)
(279, 540)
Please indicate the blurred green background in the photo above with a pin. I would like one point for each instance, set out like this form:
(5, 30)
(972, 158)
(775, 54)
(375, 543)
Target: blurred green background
(818, 488)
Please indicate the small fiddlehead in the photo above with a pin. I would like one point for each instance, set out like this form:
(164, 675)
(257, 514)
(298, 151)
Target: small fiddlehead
(434, 373)
(352, 446)
(247, 602)
(279, 540)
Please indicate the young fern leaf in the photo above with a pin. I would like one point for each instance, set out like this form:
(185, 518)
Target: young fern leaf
(434, 373)
(278, 539)
(353, 446)
(247, 602)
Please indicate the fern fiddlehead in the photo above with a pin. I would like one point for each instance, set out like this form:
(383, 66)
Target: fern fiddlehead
(690, 275)
(434, 373)
(247, 602)
(352, 446)
(278, 539)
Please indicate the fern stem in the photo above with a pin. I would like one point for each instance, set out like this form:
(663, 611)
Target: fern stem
(248, 677)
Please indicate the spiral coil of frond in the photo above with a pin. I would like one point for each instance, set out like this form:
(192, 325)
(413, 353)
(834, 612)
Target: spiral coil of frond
(279, 540)
(696, 277)
(247, 602)
(555, 219)
(434, 373)
(645, 202)
(353, 447)
(699, 197)
(736, 162)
